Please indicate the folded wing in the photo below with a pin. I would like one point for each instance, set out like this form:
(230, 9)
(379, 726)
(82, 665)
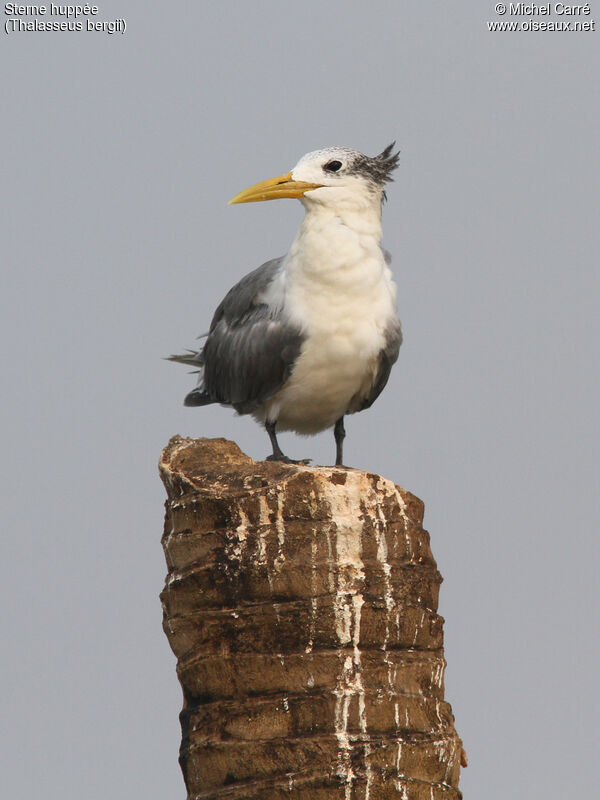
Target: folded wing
(250, 349)
(387, 359)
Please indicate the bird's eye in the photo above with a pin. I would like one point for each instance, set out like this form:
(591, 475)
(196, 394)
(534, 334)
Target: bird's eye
(333, 166)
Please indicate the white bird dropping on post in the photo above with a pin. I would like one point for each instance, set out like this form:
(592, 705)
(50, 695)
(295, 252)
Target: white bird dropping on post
(311, 336)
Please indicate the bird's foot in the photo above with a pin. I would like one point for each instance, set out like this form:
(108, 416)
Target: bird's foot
(285, 460)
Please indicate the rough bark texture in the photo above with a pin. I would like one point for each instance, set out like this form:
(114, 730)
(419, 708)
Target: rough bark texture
(301, 603)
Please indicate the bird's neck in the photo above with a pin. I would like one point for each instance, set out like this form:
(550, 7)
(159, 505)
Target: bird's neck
(332, 243)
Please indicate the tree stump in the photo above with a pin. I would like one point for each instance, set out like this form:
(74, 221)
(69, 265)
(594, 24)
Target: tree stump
(301, 604)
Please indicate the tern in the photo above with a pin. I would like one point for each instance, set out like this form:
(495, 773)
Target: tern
(311, 336)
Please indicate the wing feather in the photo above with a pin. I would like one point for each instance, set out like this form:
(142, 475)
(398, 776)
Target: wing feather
(387, 358)
(250, 350)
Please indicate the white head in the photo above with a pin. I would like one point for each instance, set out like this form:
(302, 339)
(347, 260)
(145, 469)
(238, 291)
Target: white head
(345, 177)
(336, 177)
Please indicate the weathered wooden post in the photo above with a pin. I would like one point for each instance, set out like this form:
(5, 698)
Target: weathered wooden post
(301, 603)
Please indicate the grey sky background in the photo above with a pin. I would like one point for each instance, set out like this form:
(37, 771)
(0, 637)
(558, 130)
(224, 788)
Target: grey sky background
(119, 155)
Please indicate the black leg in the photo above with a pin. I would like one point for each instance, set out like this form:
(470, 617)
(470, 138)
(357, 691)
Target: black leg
(277, 453)
(340, 433)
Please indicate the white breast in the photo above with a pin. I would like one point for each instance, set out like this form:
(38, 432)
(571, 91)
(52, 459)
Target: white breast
(339, 291)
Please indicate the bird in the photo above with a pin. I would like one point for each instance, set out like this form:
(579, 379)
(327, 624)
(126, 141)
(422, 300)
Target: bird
(311, 336)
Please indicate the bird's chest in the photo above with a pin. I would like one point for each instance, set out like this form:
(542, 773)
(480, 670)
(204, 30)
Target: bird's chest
(338, 285)
(343, 313)
(344, 328)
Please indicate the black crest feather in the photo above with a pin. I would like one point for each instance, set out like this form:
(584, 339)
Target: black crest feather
(378, 168)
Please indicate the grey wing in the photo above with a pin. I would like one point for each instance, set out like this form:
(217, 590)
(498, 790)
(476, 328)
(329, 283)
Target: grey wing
(250, 351)
(387, 359)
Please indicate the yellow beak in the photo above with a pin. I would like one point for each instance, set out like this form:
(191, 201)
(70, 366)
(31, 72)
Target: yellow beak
(273, 189)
